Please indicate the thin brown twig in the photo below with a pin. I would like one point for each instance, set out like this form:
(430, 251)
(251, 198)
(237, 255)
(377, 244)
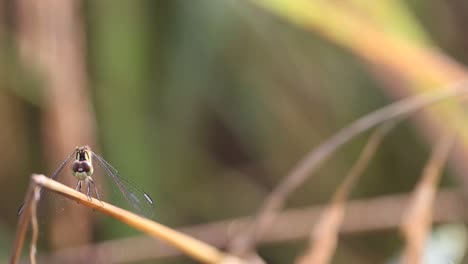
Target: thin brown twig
(324, 235)
(364, 215)
(22, 225)
(246, 240)
(196, 249)
(363, 161)
(418, 216)
(34, 224)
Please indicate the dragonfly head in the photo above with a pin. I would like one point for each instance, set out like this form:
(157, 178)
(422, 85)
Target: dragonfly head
(82, 166)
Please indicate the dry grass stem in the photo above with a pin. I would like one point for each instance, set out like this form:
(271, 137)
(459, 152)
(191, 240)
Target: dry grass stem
(324, 235)
(343, 26)
(366, 215)
(304, 169)
(418, 217)
(196, 249)
(192, 247)
(34, 224)
(23, 225)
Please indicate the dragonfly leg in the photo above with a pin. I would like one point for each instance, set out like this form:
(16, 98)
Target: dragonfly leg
(78, 186)
(88, 193)
(91, 181)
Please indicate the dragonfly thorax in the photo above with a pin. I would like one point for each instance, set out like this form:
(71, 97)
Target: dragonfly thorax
(82, 169)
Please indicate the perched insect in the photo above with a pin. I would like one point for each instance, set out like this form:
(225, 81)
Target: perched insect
(82, 168)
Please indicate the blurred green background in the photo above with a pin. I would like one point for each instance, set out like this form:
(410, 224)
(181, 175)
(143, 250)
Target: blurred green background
(207, 105)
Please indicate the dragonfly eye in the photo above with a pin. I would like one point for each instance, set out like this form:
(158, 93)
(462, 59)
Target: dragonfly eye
(81, 166)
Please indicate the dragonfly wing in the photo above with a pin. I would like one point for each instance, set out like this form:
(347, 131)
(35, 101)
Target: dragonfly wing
(139, 200)
(53, 177)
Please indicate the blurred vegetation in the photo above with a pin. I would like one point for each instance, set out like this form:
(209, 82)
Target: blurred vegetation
(207, 104)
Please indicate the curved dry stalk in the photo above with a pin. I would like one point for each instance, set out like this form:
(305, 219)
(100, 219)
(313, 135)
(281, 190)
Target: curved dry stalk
(194, 248)
(418, 216)
(244, 243)
(364, 215)
(324, 235)
(22, 225)
(423, 65)
(34, 224)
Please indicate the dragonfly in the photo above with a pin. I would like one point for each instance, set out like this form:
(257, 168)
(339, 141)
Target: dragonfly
(82, 169)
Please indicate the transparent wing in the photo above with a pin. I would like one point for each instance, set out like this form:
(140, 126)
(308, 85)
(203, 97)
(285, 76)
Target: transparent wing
(139, 200)
(53, 177)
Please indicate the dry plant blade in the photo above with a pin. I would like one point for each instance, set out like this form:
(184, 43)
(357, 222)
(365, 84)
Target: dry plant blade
(34, 224)
(324, 236)
(245, 241)
(363, 215)
(339, 23)
(23, 224)
(196, 249)
(418, 217)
